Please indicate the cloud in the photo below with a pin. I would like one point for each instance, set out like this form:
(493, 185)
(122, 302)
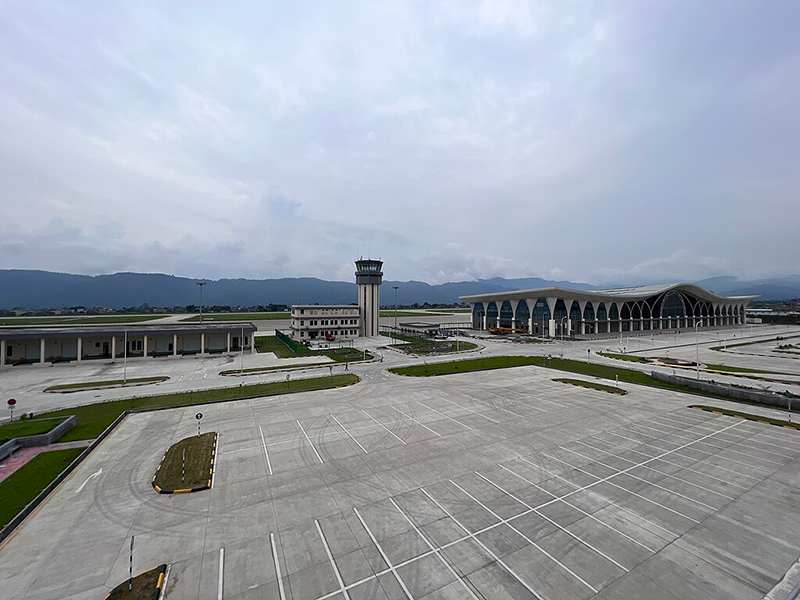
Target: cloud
(461, 140)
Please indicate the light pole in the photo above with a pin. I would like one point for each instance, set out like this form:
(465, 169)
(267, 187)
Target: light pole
(394, 287)
(241, 348)
(697, 347)
(201, 284)
(125, 359)
(562, 336)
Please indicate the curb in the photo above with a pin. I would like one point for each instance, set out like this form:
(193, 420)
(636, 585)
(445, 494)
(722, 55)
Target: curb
(589, 386)
(746, 416)
(162, 577)
(199, 488)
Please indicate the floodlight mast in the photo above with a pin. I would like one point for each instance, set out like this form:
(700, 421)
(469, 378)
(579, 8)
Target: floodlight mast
(201, 284)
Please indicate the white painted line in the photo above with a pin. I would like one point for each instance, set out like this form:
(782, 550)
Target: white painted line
(436, 550)
(348, 433)
(603, 498)
(443, 414)
(88, 479)
(266, 454)
(729, 449)
(577, 538)
(580, 510)
(487, 550)
(221, 571)
(277, 565)
(308, 439)
(392, 568)
(685, 468)
(417, 422)
(386, 428)
(333, 562)
(480, 414)
(637, 494)
(659, 472)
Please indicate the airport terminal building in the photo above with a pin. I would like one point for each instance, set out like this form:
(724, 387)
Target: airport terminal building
(555, 311)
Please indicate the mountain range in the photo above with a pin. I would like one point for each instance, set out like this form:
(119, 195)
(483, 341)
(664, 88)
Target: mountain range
(44, 289)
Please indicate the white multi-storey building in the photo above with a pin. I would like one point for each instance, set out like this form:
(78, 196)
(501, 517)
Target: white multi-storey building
(325, 322)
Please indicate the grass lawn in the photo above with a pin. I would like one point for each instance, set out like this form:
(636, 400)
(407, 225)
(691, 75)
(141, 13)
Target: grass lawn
(730, 369)
(268, 369)
(24, 485)
(402, 313)
(561, 364)
(102, 384)
(93, 419)
(453, 310)
(143, 586)
(251, 316)
(77, 320)
(199, 454)
(271, 343)
(419, 345)
(628, 357)
(748, 416)
(26, 427)
(593, 386)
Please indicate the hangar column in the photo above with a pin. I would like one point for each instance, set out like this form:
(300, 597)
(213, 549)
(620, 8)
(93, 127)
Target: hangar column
(228, 345)
(202, 343)
(41, 351)
(2, 353)
(80, 349)
(174, 344)
(144, 346)
(113, 348)
(552, 328)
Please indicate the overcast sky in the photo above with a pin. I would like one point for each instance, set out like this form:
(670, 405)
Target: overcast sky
(607, 142)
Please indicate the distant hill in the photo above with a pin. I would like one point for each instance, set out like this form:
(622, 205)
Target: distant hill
(775, 288)
(44, 289)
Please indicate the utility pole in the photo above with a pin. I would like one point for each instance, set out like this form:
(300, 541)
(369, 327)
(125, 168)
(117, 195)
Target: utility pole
(394, 287)
(125, 360)
(697, 347)
(562, 336)
(201, 284)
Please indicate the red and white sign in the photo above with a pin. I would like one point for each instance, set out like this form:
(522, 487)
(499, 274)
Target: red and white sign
(11, 402)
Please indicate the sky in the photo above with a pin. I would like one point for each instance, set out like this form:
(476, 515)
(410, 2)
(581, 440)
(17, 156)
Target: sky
(620, 142)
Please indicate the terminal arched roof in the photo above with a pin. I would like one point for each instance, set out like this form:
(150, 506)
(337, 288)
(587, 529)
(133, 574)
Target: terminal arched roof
(620, 294)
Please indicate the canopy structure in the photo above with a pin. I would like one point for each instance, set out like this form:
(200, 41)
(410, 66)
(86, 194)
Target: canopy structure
(554, 311)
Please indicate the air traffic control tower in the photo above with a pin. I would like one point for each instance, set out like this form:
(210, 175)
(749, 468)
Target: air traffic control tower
(369, 278)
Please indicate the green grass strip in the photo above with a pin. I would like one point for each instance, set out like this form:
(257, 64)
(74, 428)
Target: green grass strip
(561, 364)
(93, 419)
(27, 427)
(25, 484)
(197, 474)
(628, 357)
(143, 586)
(91, 385)
(592, 386)
(748, 416)
(77, 320)
(252, 316)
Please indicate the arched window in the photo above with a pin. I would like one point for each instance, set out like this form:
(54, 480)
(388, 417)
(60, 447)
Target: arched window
(636, 312)
(491, 310)
(588, 312)
(506, 314)
(672, 306)
(522, 315)
(477, 315)
(560, 310)
(626, 311)
(541, 311)
(602, 315)
(575, 313)
(613, 313)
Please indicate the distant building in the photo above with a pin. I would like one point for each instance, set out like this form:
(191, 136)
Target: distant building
(329, 322)
(555, 311)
